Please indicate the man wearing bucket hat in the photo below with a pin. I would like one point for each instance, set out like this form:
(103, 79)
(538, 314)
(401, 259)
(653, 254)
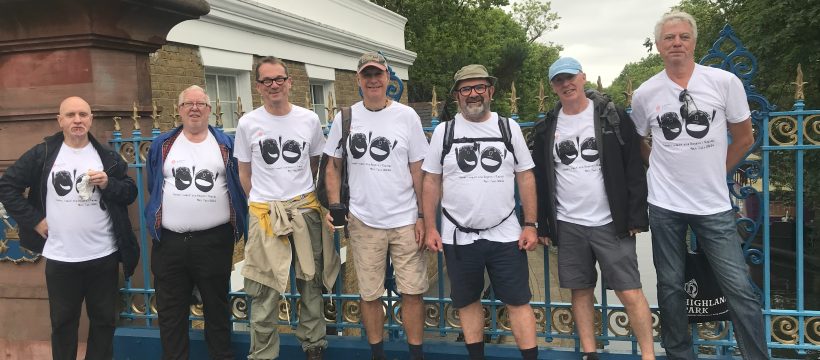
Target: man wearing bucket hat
(384, 148)
(473, 165)
(576, 166)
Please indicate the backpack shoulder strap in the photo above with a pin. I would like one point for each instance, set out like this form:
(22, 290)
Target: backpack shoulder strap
(346, 117)
(449, 134)
(506, 135)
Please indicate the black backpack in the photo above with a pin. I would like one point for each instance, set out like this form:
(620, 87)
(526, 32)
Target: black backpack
(449, 137)
(321, 187)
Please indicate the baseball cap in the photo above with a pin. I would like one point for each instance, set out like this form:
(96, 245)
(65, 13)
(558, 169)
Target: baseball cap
(472, 71)
(564, 65)
(372, 58)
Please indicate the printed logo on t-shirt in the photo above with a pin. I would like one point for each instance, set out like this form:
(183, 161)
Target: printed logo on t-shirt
(291, 150)
(378, 147)
(567, 150)
(697, 122)
(64, 181)
(490, 159)
(203, 180)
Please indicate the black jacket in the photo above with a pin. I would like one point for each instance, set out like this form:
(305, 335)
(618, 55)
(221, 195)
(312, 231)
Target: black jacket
(623, 171)
(31, 172)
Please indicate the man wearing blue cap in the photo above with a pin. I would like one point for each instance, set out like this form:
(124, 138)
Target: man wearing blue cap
(587, 150)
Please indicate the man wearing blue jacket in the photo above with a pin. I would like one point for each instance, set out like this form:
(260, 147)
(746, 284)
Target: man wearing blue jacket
(195, 213)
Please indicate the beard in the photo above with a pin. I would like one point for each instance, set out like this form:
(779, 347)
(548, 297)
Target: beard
(475, 109)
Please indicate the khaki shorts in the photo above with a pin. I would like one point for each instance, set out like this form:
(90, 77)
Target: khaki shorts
(370, 246)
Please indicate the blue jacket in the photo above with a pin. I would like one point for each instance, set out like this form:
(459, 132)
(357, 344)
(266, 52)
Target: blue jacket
(156, 157)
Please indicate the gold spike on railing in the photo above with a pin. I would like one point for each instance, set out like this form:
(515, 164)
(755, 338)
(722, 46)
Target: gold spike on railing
(434, 104)
(239, 111)
(798, 83)
(541, 97)
(331, 107)
(628, 92)
(308, 102)
(513, 100)
(154, 115)
(600, 86)
(218, 113)
(176, 116)
(135, 117)
(117, 126)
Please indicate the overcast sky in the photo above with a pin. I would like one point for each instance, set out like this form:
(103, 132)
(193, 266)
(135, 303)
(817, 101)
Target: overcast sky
(605, 35)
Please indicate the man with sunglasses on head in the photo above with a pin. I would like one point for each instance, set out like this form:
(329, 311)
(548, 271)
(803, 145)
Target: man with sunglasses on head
(688, 109)
(385, 148)
(475, 178)
(195, 214)
(278, 146)
(592, 197)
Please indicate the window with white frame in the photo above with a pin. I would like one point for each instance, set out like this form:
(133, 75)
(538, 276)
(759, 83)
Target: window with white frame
(320, 93)
(222, 85)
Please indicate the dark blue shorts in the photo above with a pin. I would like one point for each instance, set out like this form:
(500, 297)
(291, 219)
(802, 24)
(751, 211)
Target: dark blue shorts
(505, 263)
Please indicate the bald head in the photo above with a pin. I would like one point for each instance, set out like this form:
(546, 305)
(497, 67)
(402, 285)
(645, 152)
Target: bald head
(75, 119)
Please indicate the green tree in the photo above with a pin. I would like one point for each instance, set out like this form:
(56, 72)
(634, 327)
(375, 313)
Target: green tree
(536, 17)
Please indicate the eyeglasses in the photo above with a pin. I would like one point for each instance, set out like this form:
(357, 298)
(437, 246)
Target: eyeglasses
(686, 99)
(198, 105)
(268, 82)
(467, 90)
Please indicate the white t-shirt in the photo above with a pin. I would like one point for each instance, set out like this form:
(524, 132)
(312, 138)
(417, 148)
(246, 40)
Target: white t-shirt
(194, 189)
(478, 180)
(78, 230)
(380, 147)
(279, 150)
(687, 166)
(579, 189)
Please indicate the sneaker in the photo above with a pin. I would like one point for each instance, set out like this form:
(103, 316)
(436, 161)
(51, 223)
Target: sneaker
(316, 353)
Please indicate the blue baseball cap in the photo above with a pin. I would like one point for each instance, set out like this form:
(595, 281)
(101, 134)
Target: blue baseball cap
(564, 65)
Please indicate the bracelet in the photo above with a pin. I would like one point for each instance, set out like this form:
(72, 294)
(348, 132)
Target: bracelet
(421, 215)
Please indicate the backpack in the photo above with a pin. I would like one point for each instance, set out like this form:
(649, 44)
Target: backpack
(606, 110)
(449, 137)
(321, 187)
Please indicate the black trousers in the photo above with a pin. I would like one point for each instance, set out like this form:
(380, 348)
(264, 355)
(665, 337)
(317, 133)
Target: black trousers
(184, 260)
(68, 284)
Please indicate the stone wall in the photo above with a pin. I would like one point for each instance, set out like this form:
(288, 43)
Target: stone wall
(174, 67)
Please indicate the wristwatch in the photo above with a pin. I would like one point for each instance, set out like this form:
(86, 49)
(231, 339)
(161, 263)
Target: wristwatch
(533, 224)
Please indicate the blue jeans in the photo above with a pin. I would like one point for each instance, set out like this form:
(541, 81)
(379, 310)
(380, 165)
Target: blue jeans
(717, 236)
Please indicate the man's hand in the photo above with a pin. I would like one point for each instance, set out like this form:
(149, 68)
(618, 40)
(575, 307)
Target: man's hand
(98, 178)
(528, 239)
(633, 232)
(329, 222)
(42, 229)
(545, 240)
(433, 240)
(420, 233)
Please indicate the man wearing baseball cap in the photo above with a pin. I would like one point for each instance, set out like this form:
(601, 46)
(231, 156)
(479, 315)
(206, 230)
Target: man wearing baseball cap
(576, 166)
(385, 148)
(475, 178)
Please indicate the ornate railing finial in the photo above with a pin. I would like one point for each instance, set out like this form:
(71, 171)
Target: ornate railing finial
(331, 107)
(135, 116)
(176, 116)
(218, 113)
(628, 92)
(154, 115)
(434, 104)
(798, 84)
(600, 85)
(308, 102)
(239, 111)
(541, 97)
(513, 100)
(117, 126)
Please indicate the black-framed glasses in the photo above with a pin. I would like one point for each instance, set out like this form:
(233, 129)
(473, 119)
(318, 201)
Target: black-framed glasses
(686, 98)
(479, 89)
(198, 105)
(268, 81)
